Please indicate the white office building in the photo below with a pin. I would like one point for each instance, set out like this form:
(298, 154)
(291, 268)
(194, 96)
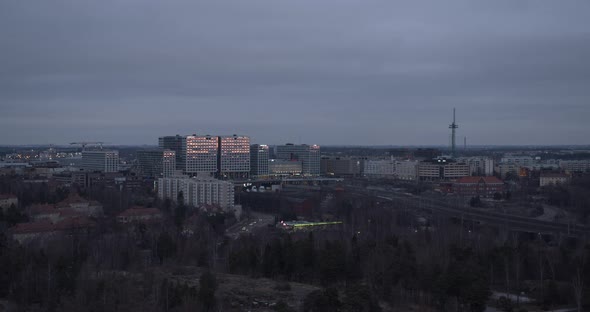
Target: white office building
(102, 160)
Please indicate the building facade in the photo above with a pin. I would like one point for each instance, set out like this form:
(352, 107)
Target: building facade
(551, 178)
(156, 162)
(284, 167)
(309, 155)
(259, 155)
(406, 169)
(582, 165)
(341, 167)
(198, 191)
(103, 161)
(200, 154)
(441, 169)
(234, 157)
(379, 167)
(483, 186)
(173, 143)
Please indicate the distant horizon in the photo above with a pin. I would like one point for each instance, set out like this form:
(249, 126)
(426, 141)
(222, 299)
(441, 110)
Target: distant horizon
(459, 148)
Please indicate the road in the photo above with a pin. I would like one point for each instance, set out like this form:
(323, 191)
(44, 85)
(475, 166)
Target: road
(516, 223)
(247, 225)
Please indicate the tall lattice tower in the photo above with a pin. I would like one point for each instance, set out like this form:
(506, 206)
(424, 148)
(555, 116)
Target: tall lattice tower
(453, 128)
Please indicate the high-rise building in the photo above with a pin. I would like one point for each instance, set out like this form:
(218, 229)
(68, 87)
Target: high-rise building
(259, 155)
(199, 154)
(309, 155)
(233, 156)
(102, 160)
(173, 143)
(156, 162)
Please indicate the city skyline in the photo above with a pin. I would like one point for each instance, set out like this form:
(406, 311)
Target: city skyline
(332, 73)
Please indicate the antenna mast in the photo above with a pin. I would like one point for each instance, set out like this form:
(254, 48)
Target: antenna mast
(453, 128)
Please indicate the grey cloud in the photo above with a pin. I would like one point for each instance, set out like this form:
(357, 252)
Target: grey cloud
(330, 72)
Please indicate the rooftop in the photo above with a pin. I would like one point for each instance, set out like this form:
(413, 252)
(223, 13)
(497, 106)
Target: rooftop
(479, 179)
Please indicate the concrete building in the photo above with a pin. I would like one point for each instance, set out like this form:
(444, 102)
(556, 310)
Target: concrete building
(102, 160)
(156, 162)
(479, 166)
(379, 167)
(309, 155)
(503, 169)
(198, 191)
(553, 178)
(234, 157)
(284, 167)
(518, 160)
(259, 155)
(406, 169)
(173, 143)
(341, 167)
(483, 186)
(441, 169)
(200, 154)
(582, 165)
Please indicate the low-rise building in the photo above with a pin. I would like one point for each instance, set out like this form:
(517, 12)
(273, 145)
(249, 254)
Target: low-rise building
(340, 166)
(44, 230)
(582, 165)
(553, 178)
(441, 169)
(406, 169)
(379, 167)
(483, 186)
(284, 167)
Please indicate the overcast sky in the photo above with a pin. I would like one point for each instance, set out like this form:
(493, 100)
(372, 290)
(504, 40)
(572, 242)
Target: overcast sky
(310, 71)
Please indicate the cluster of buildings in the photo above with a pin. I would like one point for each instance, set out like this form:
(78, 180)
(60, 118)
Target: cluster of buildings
(74, 215)
(227, 157)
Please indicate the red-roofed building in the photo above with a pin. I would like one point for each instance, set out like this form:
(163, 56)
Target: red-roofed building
(39, 212)
(140, 214)
(45, 229)
(478, 186)
(81, 205)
